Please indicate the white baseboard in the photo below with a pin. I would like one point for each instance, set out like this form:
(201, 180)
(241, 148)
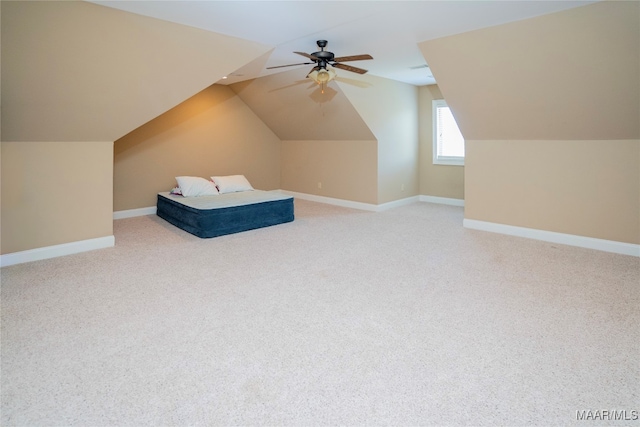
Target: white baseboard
(442, 200)
(57, 250)
(553, 237)
(397, 203)
(331, 201)
(151, 210)
(351, 204)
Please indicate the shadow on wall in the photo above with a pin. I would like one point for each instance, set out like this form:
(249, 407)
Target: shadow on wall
(295, 108)
(326, 94)
(320, 95)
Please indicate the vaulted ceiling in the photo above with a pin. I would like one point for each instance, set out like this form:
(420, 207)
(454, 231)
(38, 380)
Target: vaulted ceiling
(388, 30)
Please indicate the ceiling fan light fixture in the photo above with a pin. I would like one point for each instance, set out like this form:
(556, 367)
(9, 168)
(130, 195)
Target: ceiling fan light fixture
(322, 75)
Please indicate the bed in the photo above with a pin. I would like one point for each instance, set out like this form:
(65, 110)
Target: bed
(221, 214)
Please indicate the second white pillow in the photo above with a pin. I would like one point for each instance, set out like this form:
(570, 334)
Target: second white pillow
(231, 183)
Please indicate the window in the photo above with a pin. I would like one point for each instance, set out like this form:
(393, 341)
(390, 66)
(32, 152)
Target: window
(448, 143)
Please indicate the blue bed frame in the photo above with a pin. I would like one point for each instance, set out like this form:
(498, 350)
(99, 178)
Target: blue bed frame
(206, 223)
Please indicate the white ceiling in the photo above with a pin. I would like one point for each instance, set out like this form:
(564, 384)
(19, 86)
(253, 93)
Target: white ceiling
(388, 30)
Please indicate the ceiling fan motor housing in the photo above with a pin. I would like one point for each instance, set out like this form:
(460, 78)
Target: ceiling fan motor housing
(323, 56)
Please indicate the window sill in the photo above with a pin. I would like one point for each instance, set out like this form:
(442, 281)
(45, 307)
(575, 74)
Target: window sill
(448, 162)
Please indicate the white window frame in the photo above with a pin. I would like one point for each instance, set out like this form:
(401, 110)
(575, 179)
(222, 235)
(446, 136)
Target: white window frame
(441, 160)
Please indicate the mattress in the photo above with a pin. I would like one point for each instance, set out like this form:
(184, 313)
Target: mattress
(213, 216)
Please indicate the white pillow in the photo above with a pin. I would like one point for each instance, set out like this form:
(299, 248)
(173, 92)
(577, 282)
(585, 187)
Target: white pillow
(231, 183)
(193, 186)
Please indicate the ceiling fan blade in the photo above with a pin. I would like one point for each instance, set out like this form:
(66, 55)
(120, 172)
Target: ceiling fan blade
(306, 55)
(353, 58)
(350, 68)
(290, 65)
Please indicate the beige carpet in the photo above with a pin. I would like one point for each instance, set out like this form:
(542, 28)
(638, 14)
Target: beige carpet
(342, 317)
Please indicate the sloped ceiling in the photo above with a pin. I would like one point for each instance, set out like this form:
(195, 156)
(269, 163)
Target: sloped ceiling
(295, 108)
(94, 73)
(572, 75)
(389, 30)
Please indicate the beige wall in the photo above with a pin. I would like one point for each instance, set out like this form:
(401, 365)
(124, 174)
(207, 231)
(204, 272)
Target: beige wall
(344, 169)
(571, 75)
(295, 108)
(390, 110)
(325, 131)
(75, 72)
(325, 140)
(83, 72)
(435, 180)
(564, 84)
(585, 188)
(549, 109)
(213, 126)
(55, 193)
(212, 133)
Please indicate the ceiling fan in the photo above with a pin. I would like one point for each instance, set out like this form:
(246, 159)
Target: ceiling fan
(320, 74)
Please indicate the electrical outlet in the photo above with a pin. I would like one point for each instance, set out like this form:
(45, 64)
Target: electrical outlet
(402, 187)
(319, 185)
